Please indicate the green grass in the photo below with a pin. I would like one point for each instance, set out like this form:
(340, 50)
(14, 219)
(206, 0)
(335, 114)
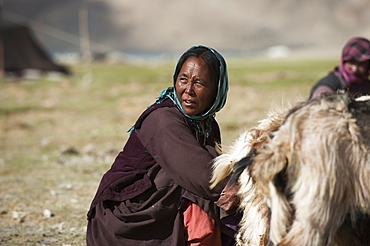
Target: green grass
(276, 74)
(57, 138)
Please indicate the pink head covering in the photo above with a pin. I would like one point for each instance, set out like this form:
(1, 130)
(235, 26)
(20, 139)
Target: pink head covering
(357, 49)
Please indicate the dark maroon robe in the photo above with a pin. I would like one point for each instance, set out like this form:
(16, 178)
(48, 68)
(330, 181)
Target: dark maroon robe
(164, 161)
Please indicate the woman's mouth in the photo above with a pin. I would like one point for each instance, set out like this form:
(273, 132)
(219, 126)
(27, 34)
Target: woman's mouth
(188, 103)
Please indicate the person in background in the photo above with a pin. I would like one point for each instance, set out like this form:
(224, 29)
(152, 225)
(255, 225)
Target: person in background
(352, 73)
(157, 190)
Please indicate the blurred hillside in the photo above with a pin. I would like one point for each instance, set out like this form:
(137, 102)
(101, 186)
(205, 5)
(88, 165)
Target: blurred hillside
(168, 25)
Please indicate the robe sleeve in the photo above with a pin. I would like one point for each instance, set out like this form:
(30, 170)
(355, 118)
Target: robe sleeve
(321, 89)
(167, 136)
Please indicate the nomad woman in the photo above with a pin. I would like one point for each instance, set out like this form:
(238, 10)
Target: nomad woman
(352, 73)
(157, 190)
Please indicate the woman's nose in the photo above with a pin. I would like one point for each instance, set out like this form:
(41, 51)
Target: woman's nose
(354, 68)
(189, 88)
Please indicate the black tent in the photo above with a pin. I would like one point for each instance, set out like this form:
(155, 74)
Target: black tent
(22, 51)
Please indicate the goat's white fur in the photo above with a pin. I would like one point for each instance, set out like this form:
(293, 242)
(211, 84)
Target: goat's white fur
(254, 224)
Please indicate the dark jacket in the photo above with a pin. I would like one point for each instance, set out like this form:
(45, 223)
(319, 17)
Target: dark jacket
(332, 80)
(336, 84)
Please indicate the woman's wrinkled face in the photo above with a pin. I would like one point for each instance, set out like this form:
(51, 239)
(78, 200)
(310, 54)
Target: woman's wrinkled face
(194, 87)
(358, 68)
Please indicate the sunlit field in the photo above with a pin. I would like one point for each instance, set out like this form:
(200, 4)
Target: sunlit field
(59, 137)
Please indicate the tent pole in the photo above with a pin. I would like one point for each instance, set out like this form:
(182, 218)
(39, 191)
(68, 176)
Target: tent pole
(2, 60)
(85, 43)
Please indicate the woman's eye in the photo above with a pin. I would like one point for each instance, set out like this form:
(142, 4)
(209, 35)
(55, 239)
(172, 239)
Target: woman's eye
(198, 84)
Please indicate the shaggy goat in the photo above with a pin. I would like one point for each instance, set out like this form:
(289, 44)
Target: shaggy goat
(309, 182)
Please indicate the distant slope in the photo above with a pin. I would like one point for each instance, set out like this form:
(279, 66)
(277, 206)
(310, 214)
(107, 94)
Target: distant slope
(229, 25)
